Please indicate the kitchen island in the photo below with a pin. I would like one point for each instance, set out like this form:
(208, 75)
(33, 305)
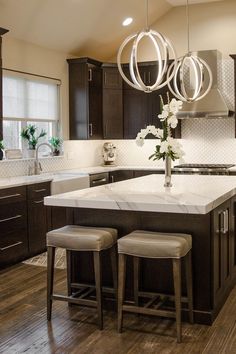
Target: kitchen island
(203, 206)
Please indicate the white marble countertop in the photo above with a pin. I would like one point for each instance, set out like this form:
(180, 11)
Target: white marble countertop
(190, 194)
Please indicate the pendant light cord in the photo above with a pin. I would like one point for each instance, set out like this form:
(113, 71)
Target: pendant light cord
(147, 26)
(187, 17)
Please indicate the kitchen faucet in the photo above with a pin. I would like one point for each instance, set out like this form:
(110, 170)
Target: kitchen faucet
(37, 164)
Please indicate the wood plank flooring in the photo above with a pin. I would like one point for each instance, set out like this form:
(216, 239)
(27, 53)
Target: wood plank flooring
(24, 328)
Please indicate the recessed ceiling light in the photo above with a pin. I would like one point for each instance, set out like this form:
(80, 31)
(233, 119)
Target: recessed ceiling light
(127, 21)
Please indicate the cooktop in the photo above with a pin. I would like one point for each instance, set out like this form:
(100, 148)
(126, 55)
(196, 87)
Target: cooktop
(204, 166)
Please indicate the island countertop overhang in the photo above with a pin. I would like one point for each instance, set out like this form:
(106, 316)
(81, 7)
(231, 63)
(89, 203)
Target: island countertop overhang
(190, 194)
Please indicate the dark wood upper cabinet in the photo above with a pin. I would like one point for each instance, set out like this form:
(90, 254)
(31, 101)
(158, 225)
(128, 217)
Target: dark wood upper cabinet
(112, 103)
(85, 98)
(103, 105)
(2, 32)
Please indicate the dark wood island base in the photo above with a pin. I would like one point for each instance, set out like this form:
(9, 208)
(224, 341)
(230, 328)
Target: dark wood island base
(214, 253)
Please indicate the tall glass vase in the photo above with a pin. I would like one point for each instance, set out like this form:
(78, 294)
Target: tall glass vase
(168, 172)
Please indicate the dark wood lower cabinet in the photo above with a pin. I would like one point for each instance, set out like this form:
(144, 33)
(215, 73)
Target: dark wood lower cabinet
(60, 216)
(120, 175)
(214, 253)
(37, 217)
(23, 222)
(13, 225)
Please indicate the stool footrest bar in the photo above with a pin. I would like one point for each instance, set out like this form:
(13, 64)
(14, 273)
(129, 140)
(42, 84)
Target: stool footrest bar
(148, 311)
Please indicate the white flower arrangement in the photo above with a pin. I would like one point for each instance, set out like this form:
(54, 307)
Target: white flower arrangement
(168, 147)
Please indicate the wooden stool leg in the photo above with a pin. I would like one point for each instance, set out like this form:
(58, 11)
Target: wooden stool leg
(121, 289)
(69, 278)
(98, 284)
(113, 255)
(136, 263)
(50, 276)
(188, 267)
(177, 286)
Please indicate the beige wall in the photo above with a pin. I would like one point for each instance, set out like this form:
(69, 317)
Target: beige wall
(23, 56)
(212, 26)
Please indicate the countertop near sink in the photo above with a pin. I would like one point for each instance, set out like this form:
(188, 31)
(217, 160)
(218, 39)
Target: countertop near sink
(55, 177)
(65, 175)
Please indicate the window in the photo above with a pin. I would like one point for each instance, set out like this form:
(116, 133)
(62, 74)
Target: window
(29, 100)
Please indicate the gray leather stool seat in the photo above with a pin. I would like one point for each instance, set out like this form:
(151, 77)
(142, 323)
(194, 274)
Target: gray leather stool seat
(81, 239)
(149, 244)
(146, 244)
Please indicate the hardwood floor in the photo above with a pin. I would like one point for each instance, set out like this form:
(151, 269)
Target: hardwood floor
(24, 328)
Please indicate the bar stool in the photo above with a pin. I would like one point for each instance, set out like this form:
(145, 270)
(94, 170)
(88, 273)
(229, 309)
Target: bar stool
(146, 244)
(79, 239)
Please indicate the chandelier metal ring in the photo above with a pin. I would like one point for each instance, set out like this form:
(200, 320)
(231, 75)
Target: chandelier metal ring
(163, 49)
(199, 68)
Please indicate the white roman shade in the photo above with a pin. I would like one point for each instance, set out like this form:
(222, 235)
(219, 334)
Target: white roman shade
(29, 98)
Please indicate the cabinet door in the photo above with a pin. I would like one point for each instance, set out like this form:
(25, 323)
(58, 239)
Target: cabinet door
(112, 78)
(85, 100)
(112, 114)
(222, 245)
(112, 104)
(233, 235)
(13, 225)
(121, 175)
(95, 102)
(135, 112)
(37, 217)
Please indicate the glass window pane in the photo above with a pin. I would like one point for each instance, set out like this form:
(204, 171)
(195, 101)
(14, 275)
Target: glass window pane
(11, 134)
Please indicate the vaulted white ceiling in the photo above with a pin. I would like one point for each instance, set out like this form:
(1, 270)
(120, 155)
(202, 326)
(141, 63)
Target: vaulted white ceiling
(80, 27)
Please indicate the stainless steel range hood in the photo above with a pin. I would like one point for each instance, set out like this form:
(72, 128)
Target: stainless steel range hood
(213, 105)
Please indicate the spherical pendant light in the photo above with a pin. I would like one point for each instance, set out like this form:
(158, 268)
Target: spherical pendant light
(163, 50)
(189, 64)
(180, 87)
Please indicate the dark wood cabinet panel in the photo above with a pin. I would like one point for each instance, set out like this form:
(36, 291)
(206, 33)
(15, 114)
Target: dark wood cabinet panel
(37, 217)
(223, 249)
(121, 175)
(112, 103)
(141, 173)
(111, 78)
(60, 217)
(2, 32)
(135, 112)
(112, 114)
(85, 98)
(13, 225)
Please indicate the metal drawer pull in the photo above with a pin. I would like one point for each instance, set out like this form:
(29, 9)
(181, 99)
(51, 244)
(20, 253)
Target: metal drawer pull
(12, 218)
(38, 201)
(90, 75)
(90, 129)
(99, 180)
(40, 190)
(10, 246)
(224, 221)
(11, 196)
(112, 179)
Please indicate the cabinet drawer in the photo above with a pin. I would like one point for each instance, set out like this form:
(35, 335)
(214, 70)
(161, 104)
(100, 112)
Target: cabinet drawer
(13, 247)
(12, 195)
(38, 191)
(13, 217)
(98, 179)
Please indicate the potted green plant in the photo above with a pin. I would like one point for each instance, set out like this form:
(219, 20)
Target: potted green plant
(29, 134)
(1, 149)
(56, 143)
